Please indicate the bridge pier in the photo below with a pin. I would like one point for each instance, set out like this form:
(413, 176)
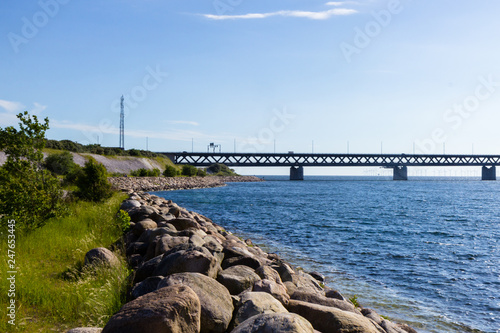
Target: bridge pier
(489, 173)
(297, 173)
(400, 173)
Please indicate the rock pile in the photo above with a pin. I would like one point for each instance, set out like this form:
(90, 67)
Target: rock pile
(148, 184)
(190, 275)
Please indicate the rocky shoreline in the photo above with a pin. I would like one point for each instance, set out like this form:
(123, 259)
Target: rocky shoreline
(150, 184)
(191, 275)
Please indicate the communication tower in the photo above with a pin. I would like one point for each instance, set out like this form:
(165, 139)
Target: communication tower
(122, 125)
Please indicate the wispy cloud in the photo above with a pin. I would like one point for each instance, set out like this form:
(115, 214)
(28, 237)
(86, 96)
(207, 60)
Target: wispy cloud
(341, 3)
(179, 135)
(11, 106)
(322, 15)
(183, 122)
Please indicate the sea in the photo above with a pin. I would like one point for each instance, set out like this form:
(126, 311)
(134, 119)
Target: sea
(425, 252)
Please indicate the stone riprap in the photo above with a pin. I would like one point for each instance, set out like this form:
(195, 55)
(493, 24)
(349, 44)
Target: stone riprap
(191, 275)
(149, 184)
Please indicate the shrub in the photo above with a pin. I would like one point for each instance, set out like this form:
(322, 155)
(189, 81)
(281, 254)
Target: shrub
(170, 171)
(28, 194)
(123, 220)
(220, 170)
(60, 164)
(201, 173)
(189, 170)
(146, 173)
(93, 183)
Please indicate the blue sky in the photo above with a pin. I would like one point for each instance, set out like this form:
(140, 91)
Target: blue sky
(255, 75)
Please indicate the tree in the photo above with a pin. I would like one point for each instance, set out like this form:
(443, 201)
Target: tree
(93, 182)
(28, 193)
(189, 170)
(170, 171)
(60, 164)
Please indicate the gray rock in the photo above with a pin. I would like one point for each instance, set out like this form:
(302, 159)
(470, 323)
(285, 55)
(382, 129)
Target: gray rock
(85, 330)
(328, 319)
(150, 234)
(181, 223)
(372, 314)
(130, 204)
(331, 293)
(215, 300)
(101, 255)
(322, 300)
(238, 278)
(144, 225)
(167, 242)
(137, 248)
(390, 327)
(174, 309)
(146, 269)
(140, 213)
(194, 260)
(254, 303)
(145, 287)
(278, 291)
(284, 270)
(274, 323)
(268, 273)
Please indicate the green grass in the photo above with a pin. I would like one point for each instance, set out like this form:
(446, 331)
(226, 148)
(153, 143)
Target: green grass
(54, 292)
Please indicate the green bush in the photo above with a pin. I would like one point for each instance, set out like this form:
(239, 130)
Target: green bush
(28, 193)
(146, 173)
(60, 164)
(220, 170)
(189, 170)
(93, 182)
(201, 173)
(170, 171)
(123, 220)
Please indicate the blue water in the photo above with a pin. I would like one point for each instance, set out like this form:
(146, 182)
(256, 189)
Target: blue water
(422, 252)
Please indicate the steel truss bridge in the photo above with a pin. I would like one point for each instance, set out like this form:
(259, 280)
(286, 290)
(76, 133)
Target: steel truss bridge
(398, 162)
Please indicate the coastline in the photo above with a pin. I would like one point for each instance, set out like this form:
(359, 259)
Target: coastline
(169, 247)
(151, 184)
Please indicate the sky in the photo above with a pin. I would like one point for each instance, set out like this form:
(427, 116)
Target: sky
(391, 76)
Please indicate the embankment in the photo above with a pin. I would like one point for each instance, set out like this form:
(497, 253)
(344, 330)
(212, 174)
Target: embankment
(149, 184)
(191, 275)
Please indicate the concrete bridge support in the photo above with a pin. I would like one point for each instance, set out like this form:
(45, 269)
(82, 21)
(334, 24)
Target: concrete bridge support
(297, 173)
(489, 173)
(400, 173)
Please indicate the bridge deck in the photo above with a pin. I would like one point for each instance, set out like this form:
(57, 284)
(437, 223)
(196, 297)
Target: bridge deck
(381, 160)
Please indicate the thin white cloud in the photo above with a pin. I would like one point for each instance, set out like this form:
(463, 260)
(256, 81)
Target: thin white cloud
(322, 15)
(179, 135)
(341, 3)
(38, 108)
(10, 106)
(183, 122)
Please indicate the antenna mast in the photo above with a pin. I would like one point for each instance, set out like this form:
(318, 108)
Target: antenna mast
(122, 125)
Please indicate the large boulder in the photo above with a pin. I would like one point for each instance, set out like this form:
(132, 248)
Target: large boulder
(143, 225)
(238, 278)
(274, 323)
(146, 269)
(128, 205)
(193, 259)
(278, 291)
(101, 256)
(145, 287)
(254, 303)
(216, 302)
(322, 300)
(328, 319)
(268, 273)
(182, 223)
(167, 242)
(174, 309)
(140, 213)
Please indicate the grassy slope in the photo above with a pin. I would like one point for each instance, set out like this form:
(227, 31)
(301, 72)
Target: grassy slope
(53, 293)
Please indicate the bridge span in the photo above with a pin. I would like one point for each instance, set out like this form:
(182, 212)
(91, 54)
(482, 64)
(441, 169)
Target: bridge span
(398, 162)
